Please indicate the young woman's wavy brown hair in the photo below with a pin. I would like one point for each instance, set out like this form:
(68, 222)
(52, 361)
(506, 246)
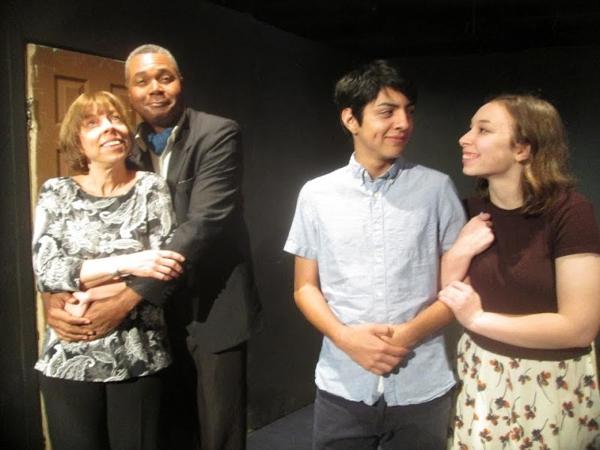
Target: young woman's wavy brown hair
(546, 175)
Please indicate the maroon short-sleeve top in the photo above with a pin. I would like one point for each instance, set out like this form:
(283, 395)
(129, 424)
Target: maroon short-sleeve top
(516, 275)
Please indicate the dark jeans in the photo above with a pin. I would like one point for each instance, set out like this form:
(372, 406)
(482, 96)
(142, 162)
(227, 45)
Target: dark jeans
(99, 416)
(341, 424)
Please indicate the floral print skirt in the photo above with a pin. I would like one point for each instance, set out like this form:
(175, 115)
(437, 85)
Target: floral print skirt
(515, 403)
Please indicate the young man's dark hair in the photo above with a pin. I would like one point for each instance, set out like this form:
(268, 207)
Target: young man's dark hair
(362, 85)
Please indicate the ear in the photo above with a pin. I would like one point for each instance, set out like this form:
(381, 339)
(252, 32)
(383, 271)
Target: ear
(349, 120)
(522, 152)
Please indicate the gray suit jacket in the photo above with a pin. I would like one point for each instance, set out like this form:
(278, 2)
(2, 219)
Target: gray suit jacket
(216, 299)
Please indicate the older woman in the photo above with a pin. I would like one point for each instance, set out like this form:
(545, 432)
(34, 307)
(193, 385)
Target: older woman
(91, 231)
(531, 307)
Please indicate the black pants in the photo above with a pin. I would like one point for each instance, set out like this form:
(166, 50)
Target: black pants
(206, 397)
(100, 416)
(341, 424)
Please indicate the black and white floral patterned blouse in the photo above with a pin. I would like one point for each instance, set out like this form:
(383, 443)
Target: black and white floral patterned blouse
(72, 226)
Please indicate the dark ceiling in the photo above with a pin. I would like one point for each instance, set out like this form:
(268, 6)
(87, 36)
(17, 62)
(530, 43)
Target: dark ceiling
(426, 27)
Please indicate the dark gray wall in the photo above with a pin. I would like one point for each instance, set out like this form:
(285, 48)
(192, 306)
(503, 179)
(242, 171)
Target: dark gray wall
(279, 88)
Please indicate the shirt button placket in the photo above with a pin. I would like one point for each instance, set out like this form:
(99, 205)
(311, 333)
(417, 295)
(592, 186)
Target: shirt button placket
(379, 306)
(378, 247)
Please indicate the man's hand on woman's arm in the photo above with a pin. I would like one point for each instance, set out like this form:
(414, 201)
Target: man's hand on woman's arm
(67, 326)
(106, 314)
(109, 305)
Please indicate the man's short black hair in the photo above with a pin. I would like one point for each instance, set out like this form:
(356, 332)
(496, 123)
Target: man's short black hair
(361, 86)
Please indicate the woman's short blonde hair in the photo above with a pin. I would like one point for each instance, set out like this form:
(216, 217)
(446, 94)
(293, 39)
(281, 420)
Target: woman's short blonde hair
(87, 103)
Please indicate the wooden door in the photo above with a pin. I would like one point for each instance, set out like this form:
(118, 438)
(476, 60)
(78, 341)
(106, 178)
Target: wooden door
(55, 78)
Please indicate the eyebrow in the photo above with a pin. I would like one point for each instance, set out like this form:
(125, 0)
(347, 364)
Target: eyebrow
(160, 70)
(394, 105)
(138, 74)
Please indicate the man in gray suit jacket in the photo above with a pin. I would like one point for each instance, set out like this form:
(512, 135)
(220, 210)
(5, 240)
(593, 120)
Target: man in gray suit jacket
(213, 308)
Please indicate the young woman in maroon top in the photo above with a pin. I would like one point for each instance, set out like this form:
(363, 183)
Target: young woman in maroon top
(530, 305)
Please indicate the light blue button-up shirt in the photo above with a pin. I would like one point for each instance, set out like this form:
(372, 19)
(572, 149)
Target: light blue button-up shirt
(378, 245)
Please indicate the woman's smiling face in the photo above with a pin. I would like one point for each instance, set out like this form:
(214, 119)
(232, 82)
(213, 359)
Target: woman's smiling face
(488, 148)
(104, 137)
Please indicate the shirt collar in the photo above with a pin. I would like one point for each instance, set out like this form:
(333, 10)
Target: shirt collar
(143, 129)
(358, 171)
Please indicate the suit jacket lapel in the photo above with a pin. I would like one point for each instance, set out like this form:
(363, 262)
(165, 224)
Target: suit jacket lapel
(179, 153)
(140, 156)
(141, 159)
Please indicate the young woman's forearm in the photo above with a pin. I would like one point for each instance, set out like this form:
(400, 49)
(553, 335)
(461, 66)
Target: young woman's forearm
(543, 330)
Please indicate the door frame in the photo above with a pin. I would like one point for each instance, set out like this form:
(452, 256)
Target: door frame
(20, 413)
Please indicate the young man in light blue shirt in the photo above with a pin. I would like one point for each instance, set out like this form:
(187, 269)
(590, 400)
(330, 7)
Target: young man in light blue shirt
(368, 240)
